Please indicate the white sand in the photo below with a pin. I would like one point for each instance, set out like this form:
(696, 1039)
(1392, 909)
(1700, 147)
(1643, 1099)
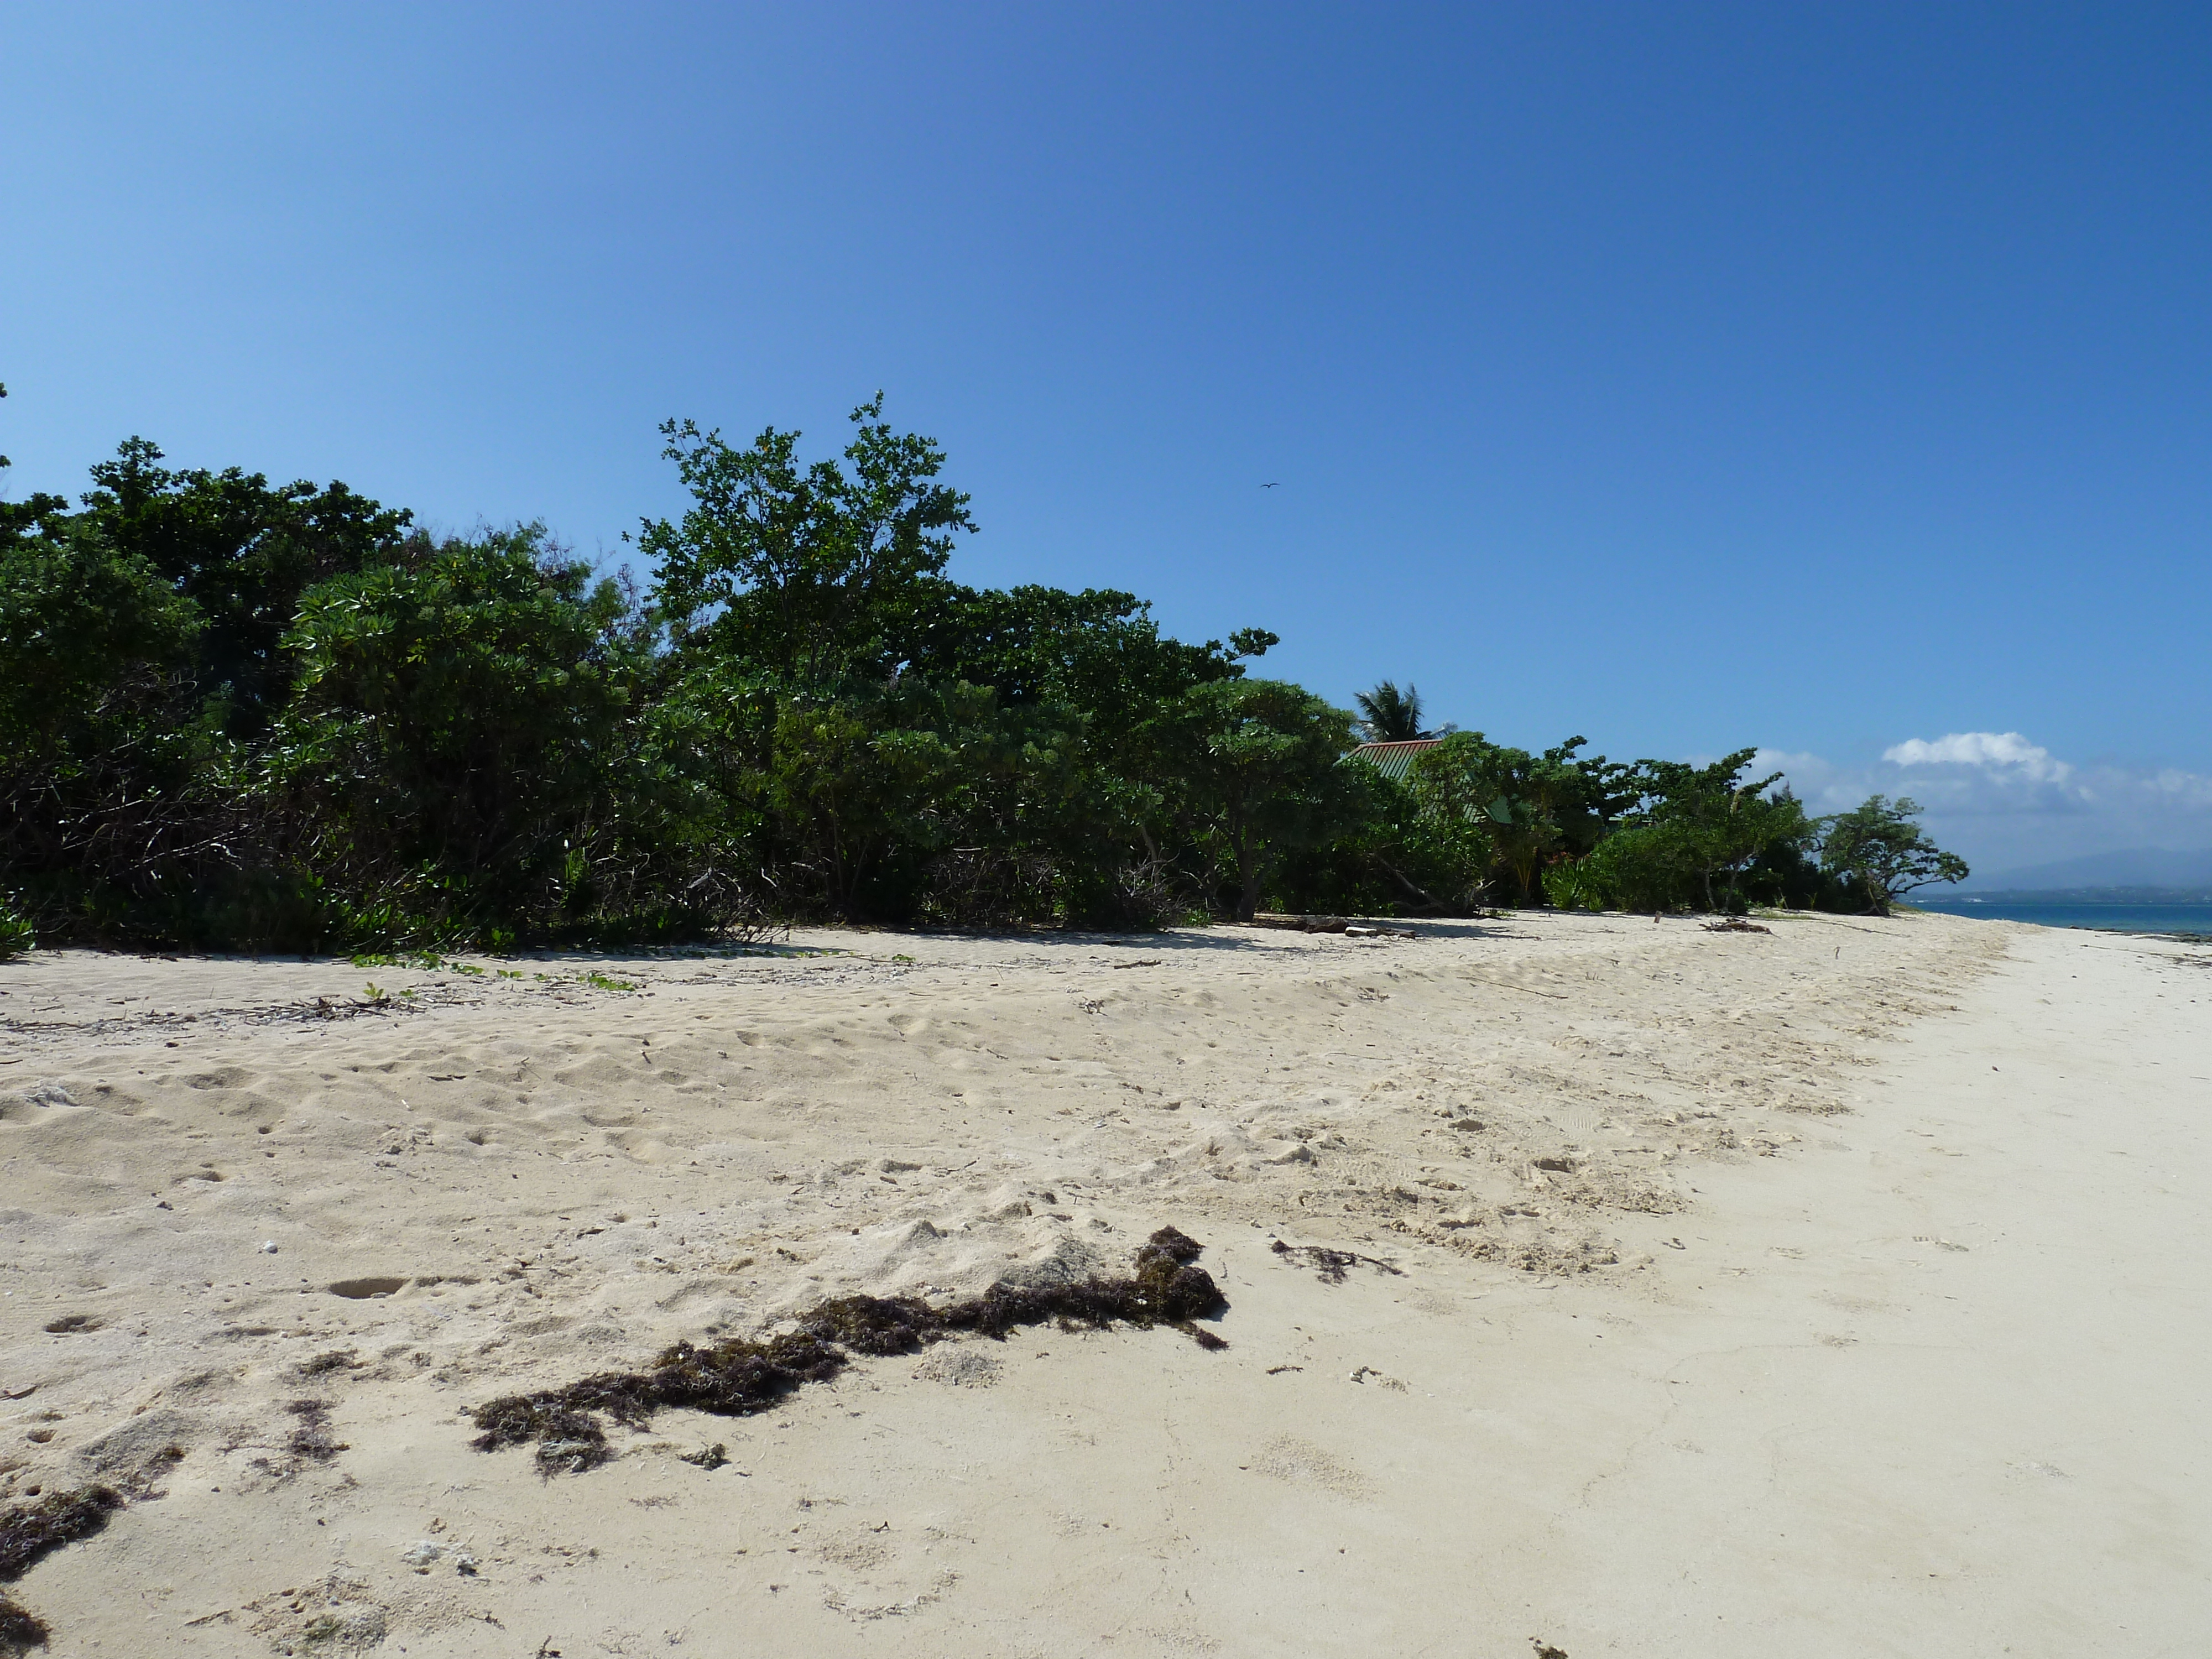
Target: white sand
(1864, 1312)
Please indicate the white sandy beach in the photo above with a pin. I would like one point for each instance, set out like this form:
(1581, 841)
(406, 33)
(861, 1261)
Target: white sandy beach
(1838, 1290)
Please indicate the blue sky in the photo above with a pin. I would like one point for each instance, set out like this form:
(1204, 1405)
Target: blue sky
(1828, 379)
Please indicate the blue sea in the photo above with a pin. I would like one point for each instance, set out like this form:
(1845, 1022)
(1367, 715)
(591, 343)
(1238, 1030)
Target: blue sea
(2177, 916)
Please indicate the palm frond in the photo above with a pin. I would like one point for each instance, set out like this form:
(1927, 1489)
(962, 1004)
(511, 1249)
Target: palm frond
(1389, 715)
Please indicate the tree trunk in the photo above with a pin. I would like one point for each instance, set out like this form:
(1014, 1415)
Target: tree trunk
(1247, 879)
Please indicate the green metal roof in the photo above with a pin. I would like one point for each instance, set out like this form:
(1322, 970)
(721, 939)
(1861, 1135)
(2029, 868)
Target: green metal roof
(1394, 760)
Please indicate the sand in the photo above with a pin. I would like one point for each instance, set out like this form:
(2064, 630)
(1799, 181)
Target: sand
(1836, 1290)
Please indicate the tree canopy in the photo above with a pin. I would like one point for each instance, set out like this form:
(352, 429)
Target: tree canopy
(1879, 852)
(241, 714)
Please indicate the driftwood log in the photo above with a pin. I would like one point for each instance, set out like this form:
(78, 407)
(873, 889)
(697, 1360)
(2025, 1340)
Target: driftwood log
(1349, 925)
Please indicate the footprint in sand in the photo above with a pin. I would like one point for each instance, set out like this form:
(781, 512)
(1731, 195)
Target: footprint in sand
(961, 1366)
(227, 1077)
(363, 1289)
(1301, 1462)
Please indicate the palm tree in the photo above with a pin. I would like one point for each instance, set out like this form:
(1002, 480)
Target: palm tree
(1389, 715)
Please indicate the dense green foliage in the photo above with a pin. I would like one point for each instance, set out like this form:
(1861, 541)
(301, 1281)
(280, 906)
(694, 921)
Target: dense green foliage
(1878, 852)
(234, 713)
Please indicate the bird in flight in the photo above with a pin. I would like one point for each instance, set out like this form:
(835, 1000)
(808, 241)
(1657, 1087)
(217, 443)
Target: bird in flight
(1270, 486)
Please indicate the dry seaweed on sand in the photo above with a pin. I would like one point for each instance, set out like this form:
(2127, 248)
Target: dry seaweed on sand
(1166, 1289)
(30, 1531)
(738, 1376)
(312, 1440)
(1330, 1264)
(19, 1628)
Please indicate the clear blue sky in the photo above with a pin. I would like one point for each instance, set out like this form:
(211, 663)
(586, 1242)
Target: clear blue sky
(1821, 377)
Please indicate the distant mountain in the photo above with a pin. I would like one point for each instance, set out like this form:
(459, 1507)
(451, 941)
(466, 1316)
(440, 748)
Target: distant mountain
(2141, 866)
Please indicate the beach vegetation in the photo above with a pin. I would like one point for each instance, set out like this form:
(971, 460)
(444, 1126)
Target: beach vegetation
(235, 715)
(1878, 853)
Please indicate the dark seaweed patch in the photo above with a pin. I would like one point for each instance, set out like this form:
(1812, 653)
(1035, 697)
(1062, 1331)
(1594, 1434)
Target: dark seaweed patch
(736, 1377)
(312, 1439)
(1328, 1264)
(20, 1629)
(30, 1531)
(322, 1365)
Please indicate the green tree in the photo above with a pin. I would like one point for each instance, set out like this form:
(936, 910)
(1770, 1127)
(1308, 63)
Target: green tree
(922, 803)
(1536, 807)
(1096, 664)
(1392, 853)
(1707, 822)
(104, 754)
(1389, 715)
(1052, 722)
(1786, 871)
(817, 574)
(1098, 652)
(456, 735)
(1691, 839)
(1880, 853)
(1260, 775)
(140, 653)
(242, 553)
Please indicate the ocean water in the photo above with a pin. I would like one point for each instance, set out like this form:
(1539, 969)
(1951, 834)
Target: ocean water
(2058, 910)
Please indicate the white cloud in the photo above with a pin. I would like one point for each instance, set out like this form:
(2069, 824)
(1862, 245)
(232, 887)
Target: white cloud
(2191, 789)
(2006, 801)
(1980, 749)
